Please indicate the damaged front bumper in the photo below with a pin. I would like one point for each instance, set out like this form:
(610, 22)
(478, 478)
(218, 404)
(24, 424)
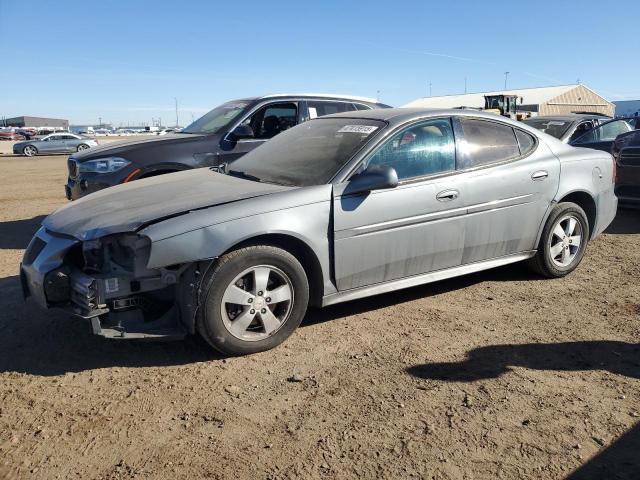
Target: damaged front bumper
(119, 302)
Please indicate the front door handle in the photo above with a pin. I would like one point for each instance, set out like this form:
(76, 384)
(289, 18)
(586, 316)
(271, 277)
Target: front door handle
(447, 195)
(539, 175)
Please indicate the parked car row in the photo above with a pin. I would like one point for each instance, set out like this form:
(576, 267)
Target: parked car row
(25, 133)
(331, 207)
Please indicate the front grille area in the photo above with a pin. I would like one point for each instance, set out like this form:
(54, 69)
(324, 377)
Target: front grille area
(33, 250)
(630, 159)
(72, 167)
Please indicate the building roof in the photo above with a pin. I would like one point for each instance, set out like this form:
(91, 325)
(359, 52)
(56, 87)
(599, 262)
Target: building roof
(22, 117)
(530, 96)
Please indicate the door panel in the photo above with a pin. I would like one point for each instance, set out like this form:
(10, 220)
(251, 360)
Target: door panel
(56, 145)
(507, 203)
(47, 146)
(414, 228)
(396, 233)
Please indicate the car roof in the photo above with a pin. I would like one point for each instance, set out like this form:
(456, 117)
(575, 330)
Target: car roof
(401, 115)
(568, 116)
(333, 96)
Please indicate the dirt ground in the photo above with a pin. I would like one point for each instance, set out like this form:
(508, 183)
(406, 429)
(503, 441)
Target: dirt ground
(499, 374)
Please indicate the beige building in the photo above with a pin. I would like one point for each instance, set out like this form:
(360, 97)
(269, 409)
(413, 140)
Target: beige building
(542, 101)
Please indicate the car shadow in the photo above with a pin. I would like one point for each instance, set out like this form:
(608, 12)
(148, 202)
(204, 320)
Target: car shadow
(620, 460)
(493, 361)
(16, 234)
(627, 221)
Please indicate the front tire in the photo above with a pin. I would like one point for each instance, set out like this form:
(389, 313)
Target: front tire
(563, 241)
(82, 147)
(30, 151)
(252, 300)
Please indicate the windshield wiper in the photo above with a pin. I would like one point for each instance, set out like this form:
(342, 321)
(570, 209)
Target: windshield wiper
(239, 174)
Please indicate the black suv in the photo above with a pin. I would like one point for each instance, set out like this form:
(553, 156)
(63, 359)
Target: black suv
(221, 136)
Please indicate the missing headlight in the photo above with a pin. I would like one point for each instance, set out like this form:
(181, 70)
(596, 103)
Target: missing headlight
(93, 256)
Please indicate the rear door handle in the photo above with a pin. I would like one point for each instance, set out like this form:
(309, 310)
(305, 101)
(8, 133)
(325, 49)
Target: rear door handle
(447, 195)
(539, 175)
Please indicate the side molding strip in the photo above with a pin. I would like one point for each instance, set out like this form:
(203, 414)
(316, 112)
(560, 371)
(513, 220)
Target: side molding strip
(424, 278)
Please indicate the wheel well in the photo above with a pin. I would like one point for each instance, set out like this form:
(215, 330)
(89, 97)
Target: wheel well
(303, 253)
(155, 173)
(587, 203)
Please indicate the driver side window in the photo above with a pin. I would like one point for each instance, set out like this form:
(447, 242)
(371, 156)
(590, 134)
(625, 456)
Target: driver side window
(272, 119)
(423, 149)
(580, 130)
(605, 132)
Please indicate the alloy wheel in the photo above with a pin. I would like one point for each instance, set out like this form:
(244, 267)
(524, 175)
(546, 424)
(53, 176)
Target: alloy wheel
(257, 303)
(82, 147)
(565, 240)
(29, 150)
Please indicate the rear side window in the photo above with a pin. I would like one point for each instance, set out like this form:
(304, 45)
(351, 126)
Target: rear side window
(485, 142)
(360, 106)
(526, 142)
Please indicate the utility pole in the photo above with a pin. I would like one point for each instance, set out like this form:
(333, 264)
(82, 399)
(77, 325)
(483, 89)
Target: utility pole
(176, 99)
(100, 121)
(429, 87)
(378, 95)
(506, 74)
(465, 84)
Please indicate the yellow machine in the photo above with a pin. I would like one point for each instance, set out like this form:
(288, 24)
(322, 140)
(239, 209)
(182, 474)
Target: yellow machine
(505, 105)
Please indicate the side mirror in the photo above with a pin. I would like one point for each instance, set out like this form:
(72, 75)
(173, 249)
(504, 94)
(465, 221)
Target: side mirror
(377, 177)
(229, 141)
(242, 131)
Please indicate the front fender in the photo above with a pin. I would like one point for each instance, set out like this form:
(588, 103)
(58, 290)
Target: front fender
(185, 239)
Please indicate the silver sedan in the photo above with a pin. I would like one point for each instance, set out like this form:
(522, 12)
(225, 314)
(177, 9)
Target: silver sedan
(54, 143)
(341, 207)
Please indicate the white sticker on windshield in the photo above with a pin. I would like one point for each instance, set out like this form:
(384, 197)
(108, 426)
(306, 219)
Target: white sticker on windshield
(313, 113)
(366, 129)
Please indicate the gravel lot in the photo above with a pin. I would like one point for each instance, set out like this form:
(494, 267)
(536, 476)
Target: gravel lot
(495, 375)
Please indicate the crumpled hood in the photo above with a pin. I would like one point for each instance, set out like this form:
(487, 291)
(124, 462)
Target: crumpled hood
(125, 208)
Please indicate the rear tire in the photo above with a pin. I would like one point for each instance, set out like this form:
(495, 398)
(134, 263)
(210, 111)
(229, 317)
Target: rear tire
(252, 299)
(563, 241)
(82, 147)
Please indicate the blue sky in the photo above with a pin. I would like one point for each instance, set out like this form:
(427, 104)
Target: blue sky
(125, 61)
